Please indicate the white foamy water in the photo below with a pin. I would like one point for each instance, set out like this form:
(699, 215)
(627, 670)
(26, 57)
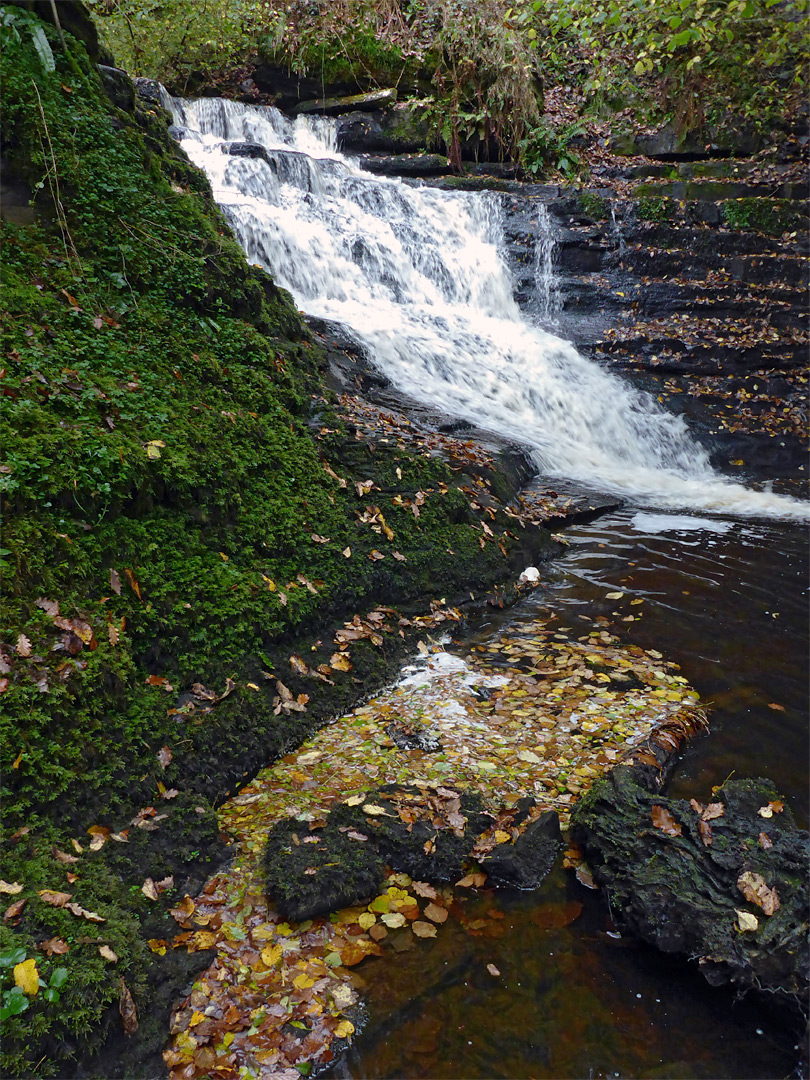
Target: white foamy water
(661, 523)
(418, 277)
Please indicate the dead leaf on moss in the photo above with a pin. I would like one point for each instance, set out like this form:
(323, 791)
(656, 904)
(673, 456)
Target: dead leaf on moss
(664, 820)
(756, 890)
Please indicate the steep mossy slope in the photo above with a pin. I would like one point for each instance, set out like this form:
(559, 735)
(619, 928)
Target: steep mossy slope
(165, 429)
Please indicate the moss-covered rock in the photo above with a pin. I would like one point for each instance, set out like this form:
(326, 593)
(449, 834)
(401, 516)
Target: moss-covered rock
(725, 883)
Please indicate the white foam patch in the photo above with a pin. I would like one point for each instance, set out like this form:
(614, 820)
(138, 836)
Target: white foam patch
(659, 523)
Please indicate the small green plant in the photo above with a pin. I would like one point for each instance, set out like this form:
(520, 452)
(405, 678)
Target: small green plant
(760, 215)
(16, 999)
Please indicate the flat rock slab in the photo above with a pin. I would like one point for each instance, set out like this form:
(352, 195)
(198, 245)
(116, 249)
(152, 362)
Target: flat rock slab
(725, 883)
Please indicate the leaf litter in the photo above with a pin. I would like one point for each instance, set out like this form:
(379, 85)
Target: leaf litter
(533, 711)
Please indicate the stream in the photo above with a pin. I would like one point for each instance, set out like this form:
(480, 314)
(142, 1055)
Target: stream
(417, 277)
(573, 1001)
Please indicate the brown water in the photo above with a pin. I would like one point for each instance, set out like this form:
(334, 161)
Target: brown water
(570, 1000)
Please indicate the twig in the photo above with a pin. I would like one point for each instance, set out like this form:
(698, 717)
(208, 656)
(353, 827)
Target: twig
(53, 183)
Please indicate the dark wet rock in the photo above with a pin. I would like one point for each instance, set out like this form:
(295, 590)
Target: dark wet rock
(426, 847)
(525, 863)
(413, 738)
(404, 164)
(285, 89)
(148, 90)
(118, 87)
(401, 130)
(668, 143)
(681, 889)
(311, 872)
(334, 106)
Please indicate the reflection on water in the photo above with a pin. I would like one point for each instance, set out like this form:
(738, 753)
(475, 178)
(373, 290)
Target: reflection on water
(728, 604)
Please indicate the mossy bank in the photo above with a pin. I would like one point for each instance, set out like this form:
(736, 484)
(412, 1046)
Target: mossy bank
(179, 500)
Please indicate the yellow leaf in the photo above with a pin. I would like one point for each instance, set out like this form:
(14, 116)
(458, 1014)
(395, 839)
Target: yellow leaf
(303, 981)
(271, 954)
(367, 919)
(394, 919)
(197, 1017)
(26, 977)
(344, 1029)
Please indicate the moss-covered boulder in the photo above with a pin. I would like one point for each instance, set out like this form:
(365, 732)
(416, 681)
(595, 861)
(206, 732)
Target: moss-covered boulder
(724, 883)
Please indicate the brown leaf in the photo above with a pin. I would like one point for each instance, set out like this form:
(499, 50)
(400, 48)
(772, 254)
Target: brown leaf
(423, 929)
(149, 889)
(765, 840)
(13, 910)
(129, 1014)
(696, 806)
(298, 665)
(378, 932)
(662, 819)
(375, 555)
(399, 556)
(62, 856)
(56, 899)
(320, 539)
(756, 890)
(106, 952)
(340, 662)
(493, 970)
(705, 830)
(23, 646)
(713, 810)
(775, 707)
(115, 582)
(113, 634)
(133, 584)
(91, 916)
(50, 607)
(421, 888)
(164, 756)
(354, 835)
(54, 946)
(435, 913)
(183, 911)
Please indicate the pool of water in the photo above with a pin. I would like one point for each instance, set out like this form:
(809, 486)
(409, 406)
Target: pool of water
(727, 600)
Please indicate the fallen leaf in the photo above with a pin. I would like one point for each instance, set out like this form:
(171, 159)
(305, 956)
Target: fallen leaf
(765, 840)
(713, 810)
(355, 800)
(91, 916)
(129, 1014)
(115, 582)
(54, 946)
(421, 888)
(775, 707)
(373, 810)
(493, 970)
(745, 920)
(106, 952)
(340, 662)
(393, 919)
(342, 995)
(435, 913)
(344, 1029)
(298, 665)
(10, 888)
(614, 595)
(423, 929)
(149, 889)
(664, 820)
(13, 910)
(62, 856)
(133, 583)
(367, 919)
(56, 899)
(347, 553)
(164, 756)
(765, 811)
(705, 830)
(23, 646)
(756, 890)
(26, 977)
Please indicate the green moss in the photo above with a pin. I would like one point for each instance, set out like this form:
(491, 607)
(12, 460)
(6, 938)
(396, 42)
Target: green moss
(772, 216)
(165, 427)
(594, 205)
(652, 208)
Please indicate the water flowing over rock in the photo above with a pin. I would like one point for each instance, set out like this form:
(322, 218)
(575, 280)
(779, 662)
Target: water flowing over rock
(418, 277)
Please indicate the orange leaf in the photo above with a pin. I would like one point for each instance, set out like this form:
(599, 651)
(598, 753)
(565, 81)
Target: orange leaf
(662, 819)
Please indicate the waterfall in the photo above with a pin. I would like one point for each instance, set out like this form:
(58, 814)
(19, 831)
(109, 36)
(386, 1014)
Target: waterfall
(418, 277)
(548, 292)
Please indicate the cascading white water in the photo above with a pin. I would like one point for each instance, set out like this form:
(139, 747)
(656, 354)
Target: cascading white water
(548, 290)
(417, 276)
